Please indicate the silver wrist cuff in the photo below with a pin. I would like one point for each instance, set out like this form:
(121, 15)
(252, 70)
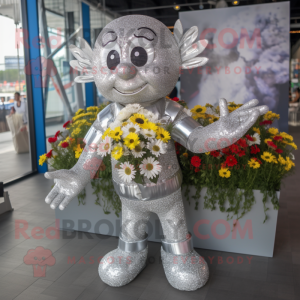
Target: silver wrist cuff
(182, 130)
(178, 248)
(132, 246)
(92, 136)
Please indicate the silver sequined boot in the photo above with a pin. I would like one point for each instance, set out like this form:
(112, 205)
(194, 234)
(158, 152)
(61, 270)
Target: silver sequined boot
(122, 265)
(185, 269)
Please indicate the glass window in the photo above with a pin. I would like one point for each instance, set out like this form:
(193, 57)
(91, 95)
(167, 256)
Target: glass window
(15, 155)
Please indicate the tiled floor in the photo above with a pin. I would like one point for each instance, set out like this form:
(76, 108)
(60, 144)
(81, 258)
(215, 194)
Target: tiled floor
(264, 278)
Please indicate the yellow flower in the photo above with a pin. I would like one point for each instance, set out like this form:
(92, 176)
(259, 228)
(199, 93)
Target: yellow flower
(124, 124)
(131, 140)
(253, 163)
(117, 152)
(271, 116)
(106, 132)
(76, 132)
(42, 159)
(185, 154)
(289, 164)
(224, 172)
(140, 120)
(267, 156)
(82, 115)
(273, 130)
(208, 105)
(286, 136)
(151, 126)
(255, 129)
(207, 153)
(232, 108)
(281, 160)
(198, 110)
(92, 108)
(60, 143)
(79, 111)
(293, 145)
(162, 134)
(78, 151)
(268, 140)
(116, 133)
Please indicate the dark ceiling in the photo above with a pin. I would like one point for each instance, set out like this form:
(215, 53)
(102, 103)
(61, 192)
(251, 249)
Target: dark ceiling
(168, 15)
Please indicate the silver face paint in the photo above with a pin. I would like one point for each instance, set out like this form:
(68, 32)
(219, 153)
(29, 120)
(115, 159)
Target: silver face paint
(136, 59)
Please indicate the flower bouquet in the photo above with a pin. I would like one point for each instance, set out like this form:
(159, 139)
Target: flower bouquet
(136, 139)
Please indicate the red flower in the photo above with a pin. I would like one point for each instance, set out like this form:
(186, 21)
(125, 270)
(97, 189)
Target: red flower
(57, 133)
(241, 153)
(196, 161)
(249, 138)
(242, 143)
(176, 99)
(266, 122)
(177, 152)
(230, 161)
(226, 151)
(254, 149)
(65, 145)
(234, 148)
(272, 145)
(260, 161)
(278, 150)
(66, 124)
(52, 139)
(49, 154)
(215, 153)
(197, 170)
(277, 138)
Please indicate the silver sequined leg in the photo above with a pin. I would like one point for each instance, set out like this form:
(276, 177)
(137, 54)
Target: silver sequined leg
(185, 269)
(122, 265)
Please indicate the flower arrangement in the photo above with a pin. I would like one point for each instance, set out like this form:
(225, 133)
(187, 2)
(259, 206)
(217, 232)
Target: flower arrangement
(259, 160)
(136, 139)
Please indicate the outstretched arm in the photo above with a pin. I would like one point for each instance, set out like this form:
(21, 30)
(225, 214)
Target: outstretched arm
(69, 183)
(226, 131)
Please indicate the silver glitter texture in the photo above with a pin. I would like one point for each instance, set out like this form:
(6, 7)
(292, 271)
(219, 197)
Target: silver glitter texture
(187, 272)
(118, 268)
(148, 85)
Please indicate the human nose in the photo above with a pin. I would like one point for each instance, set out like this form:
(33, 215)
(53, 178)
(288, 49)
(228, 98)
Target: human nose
(126, 71)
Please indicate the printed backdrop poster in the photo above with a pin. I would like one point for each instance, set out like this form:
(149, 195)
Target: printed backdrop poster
(248, 55)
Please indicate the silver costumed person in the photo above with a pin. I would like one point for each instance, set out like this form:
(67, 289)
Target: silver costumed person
(136, 59)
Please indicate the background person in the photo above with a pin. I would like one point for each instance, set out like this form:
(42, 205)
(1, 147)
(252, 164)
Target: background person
(3, 124)
(20, 108)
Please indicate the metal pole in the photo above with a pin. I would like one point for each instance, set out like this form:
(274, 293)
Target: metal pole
(18, 60)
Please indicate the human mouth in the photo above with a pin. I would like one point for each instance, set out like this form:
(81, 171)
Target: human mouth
(132, 92)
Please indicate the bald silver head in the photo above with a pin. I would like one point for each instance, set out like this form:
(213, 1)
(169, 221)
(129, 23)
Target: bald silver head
(135, 60)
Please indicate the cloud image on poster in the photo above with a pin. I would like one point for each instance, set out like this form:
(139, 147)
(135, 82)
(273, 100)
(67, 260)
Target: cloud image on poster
(248, 55)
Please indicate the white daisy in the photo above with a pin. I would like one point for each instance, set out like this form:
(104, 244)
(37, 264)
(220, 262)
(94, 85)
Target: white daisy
(126, 151)
(256, 139)
(148, 115)
(188, 112)
(115, 124)
(157, 147)
(104, 147)
(150, 167)
(135, 128)
(137, 151)
(148, 133)
(126, 171)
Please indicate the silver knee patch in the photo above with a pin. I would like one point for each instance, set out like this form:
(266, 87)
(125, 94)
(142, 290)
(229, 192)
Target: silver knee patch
(178, 248)
(135, 246)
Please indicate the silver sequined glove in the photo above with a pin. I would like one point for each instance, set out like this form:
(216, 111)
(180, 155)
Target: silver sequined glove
(69, 183)
(227, 130)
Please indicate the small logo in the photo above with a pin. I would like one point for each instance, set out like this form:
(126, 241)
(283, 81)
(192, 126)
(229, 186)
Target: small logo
(39, 258)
